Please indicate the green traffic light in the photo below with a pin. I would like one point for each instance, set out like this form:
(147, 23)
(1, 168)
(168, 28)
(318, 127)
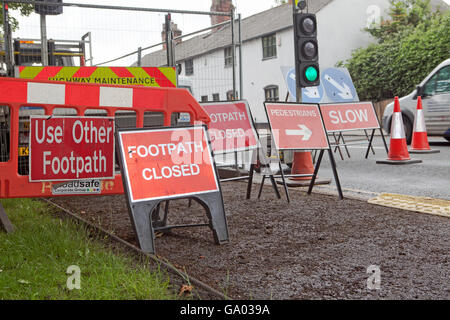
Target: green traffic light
(311, 74)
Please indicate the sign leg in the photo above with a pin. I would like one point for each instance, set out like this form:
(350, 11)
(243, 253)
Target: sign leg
(345, 145)
(143, 226)
(5, 223)
(250, 181)
(336, 177)
(261, 186)
(370, 143)
(384, 141)
(316, 171)
(213, 204)
(284, 182)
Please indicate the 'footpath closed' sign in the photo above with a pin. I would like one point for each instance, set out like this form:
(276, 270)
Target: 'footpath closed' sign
(71, 148)
(167, 163)
(231, 127)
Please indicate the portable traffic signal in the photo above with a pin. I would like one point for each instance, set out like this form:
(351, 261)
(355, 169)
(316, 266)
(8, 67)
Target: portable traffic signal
(48, 9)
(306, 50)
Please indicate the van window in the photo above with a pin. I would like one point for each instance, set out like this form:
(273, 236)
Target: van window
(443, 81)
(430, 87)
(439, 83)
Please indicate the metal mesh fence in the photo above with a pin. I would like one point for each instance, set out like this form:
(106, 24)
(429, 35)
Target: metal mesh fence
(202, 45)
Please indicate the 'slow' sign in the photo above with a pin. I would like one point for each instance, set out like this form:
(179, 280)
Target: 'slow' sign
(71, 148)
(349, 116)
(167, 163)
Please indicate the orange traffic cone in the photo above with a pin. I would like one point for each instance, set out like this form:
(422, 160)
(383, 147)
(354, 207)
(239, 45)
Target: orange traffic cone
(419, 142)
(398, 150)
(302, 164)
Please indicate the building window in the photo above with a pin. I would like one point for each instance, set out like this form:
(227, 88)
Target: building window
(189, 67)
(216, 97)
(204, 98)
(269, 45)
(228, 56)
(271, 93)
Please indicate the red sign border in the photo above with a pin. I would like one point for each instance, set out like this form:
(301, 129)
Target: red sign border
(298, 104)
(125, 175)
(72, 117)
(354, 102)
(252, 125)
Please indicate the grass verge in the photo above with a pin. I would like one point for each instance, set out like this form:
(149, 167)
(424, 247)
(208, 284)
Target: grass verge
(34, 261)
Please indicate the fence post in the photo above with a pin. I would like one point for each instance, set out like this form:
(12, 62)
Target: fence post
(139, 58)
(7, 41)
(241, 74)
(233, 52)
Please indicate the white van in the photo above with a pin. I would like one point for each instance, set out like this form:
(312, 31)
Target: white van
(435, 92)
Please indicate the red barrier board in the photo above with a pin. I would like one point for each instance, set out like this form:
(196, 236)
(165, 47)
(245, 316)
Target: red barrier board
(349, 116)
(296, 126)
(231, 127)
(71, 148)
(167, 163)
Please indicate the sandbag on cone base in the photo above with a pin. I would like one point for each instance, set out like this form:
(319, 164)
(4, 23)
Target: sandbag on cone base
(424, 151)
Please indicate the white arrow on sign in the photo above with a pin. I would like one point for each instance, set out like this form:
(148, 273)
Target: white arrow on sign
(345, 92)
(311, 92)
(305, 132)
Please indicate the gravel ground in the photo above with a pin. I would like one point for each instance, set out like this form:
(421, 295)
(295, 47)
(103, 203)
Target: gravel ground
(317, 247)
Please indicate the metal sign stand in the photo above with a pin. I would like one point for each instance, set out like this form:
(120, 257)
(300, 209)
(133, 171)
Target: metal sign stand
(145, 215)
(5, 223)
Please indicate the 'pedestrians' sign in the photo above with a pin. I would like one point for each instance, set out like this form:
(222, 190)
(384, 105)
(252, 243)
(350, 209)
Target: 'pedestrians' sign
(296, 126)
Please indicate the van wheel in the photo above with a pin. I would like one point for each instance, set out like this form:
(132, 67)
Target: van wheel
(408, 129)
(448, 138)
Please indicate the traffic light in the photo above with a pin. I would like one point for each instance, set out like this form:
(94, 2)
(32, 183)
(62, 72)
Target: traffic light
(306, 50)
(48, 9)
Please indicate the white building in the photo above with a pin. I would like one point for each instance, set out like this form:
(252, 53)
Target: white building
(268, 45)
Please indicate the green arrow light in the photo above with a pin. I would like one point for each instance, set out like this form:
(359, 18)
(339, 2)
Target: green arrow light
(311, 74)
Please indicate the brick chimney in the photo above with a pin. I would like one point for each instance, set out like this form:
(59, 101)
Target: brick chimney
(221, 6)
(176, 33)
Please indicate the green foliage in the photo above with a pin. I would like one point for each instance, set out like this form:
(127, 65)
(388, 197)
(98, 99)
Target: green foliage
(413, 42)
(24, 9)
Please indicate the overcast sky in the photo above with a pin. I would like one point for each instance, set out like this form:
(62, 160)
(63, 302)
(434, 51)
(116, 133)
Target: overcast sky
(115, 33)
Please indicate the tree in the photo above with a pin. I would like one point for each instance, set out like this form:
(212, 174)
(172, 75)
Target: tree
(410, 43)
(24, 9)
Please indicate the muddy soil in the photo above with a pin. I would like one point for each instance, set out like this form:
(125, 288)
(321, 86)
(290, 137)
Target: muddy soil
(316, 247)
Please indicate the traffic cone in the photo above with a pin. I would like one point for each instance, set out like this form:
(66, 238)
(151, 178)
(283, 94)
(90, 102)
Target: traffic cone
(398, 150)
(303, 164)
(419, 142)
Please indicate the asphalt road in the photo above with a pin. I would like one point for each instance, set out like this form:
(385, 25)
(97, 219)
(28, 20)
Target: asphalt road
(431, 178)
